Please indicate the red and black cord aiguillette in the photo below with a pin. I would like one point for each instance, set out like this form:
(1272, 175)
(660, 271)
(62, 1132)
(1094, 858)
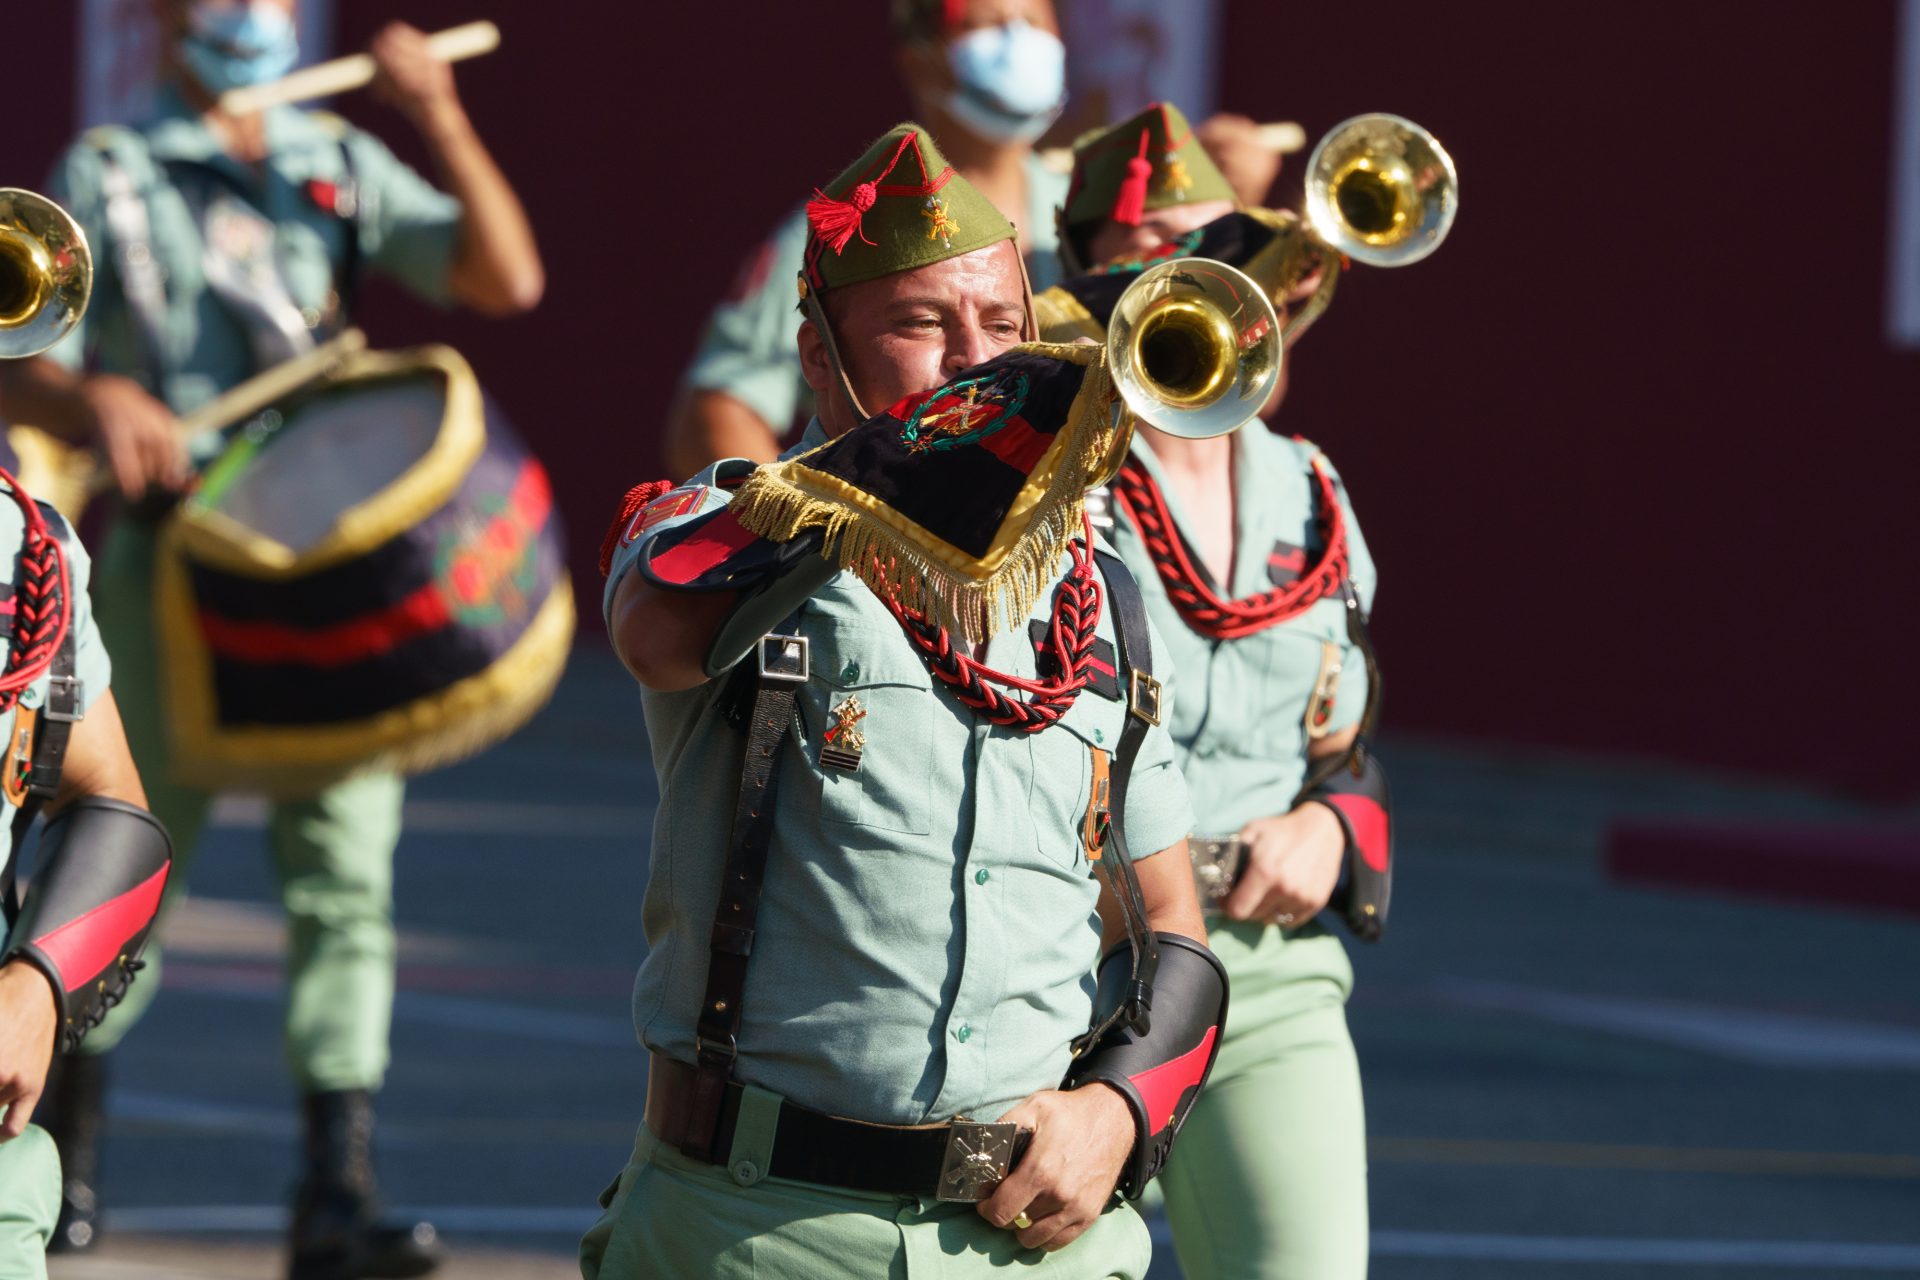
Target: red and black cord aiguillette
(38, 612)
(1199, 605)
(1235, 239)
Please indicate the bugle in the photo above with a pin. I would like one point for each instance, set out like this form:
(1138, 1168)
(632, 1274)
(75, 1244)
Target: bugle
(1380, 190)
(46, 273)
(1193, 348)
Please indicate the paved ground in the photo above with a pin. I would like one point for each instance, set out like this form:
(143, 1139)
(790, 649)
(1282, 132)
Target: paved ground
(1564, 1078)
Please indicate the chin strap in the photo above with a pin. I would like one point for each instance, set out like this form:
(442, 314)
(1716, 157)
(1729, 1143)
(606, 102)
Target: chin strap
(87, 914)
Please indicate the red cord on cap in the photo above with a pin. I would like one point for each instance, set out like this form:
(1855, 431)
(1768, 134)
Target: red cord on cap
(835, 222)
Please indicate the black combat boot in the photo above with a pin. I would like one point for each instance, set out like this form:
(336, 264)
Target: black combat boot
(69, 1111)
(337, 1232)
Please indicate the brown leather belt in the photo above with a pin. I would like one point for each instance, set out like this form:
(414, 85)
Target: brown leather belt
(962, 1160)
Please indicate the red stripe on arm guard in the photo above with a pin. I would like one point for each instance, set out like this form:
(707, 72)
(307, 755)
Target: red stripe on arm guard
(1159, 1073)
(91, 906)
(1364, 806)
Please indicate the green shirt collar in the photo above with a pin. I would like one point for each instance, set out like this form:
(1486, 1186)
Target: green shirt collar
(178, 132)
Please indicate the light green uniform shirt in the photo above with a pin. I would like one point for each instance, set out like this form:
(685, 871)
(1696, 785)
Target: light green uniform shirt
(1240, 723)
(90, 656)
(927, 935)
(407, 231)
(749, 350)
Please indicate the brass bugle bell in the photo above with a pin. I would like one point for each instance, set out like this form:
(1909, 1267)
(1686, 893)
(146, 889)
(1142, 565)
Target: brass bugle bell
(46, 273)
(1381, 191)
(1193, 348)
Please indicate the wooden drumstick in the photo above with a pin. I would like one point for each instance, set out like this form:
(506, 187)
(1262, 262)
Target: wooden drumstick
(1283, 136)
(469, 40)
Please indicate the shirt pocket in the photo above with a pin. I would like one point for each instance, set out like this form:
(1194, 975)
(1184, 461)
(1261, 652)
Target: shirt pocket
(1291, 667)
(1062, 780)
(891, 790)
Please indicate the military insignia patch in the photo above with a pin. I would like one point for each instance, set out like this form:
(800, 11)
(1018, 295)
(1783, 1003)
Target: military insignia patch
(1173, 177)
(676, 502)
(843, 743)
(1103, 673)
(962, 413)
(940, 224)
(1285, 564)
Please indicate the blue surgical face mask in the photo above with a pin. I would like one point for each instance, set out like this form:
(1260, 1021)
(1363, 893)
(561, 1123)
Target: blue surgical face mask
(239, 45)
(1010, 81)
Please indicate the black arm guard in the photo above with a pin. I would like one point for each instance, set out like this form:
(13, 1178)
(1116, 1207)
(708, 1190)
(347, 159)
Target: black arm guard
(1159, 1073)
(1365, 809)
(773, 578)
(87, 914)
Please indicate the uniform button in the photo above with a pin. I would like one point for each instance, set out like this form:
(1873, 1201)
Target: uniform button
(964, 1034)
(850, 672)
(745, 1172)
(982, 876)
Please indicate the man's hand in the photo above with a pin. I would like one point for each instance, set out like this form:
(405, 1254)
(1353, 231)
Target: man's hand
(136, 432)
(1081, 1139)
(1293, 866)
(409, 77)
(1249, 165)
(29, 1016)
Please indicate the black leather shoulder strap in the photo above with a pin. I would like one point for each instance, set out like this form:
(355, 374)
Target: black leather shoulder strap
(781, 665)
(1133, 651)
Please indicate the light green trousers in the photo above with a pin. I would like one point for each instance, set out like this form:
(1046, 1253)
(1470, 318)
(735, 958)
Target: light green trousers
(1269, 1178)
(333, 854)
(29, 1202)
(671, 1218)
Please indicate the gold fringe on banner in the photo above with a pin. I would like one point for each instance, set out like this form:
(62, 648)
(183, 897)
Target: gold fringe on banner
(973, 597)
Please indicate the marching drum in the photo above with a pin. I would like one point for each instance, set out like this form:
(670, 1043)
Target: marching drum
(369, 577)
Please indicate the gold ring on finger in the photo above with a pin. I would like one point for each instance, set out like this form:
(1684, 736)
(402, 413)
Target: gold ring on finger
(1021, 1221)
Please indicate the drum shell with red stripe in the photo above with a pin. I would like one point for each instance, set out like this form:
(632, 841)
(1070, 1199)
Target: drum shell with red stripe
(420, 622)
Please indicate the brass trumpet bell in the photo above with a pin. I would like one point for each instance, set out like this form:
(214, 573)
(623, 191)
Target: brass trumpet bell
(1381, 190)
(1194, 348)
(46, 273)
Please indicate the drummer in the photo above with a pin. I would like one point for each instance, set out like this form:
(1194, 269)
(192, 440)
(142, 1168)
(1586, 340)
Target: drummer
(229, 244)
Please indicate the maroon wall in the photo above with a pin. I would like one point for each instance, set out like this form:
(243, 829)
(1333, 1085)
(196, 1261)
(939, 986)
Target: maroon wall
(1626, 448)
(1630, 448)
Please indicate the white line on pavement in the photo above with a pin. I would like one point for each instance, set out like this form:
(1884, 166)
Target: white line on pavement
(1468, 1246)
(1759, 1036)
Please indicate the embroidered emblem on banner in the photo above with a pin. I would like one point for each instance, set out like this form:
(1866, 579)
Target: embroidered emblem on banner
(1131, 263)
(676, 502)
(962, 413)
(843, 743)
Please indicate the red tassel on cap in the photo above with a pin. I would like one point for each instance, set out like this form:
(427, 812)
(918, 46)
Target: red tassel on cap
(836, 221)
(1130, 201)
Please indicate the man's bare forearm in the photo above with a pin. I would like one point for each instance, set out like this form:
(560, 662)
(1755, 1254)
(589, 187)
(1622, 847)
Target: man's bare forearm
(496, 266)
(48, 395)
(706, 426)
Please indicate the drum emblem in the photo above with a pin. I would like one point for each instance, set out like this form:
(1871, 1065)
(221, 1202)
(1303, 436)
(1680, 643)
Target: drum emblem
(486, 564)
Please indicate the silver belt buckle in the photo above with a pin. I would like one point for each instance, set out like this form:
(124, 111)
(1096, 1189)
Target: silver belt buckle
(1216, 868)
(788, 659)
(978, 1158)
